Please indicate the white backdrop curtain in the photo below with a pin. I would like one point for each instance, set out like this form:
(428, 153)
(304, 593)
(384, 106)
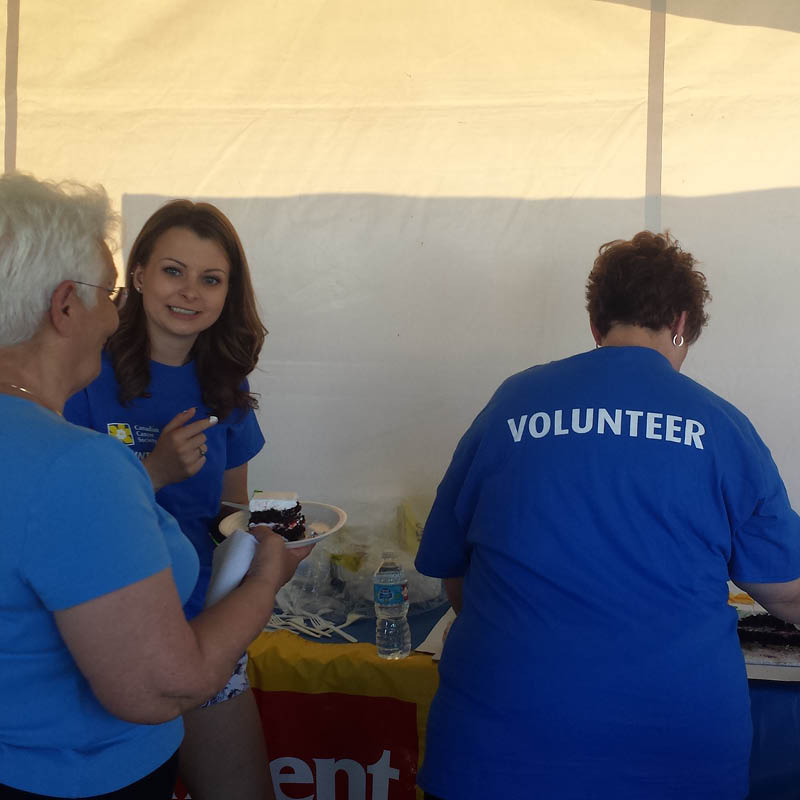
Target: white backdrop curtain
(422, 187)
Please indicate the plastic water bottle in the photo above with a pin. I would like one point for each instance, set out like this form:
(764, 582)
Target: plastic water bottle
(392, 634)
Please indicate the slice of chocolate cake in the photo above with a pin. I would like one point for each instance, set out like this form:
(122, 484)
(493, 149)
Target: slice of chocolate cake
(280, 511)
(764, 629)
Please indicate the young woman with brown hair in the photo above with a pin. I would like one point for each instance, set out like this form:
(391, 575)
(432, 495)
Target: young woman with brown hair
(173, 388)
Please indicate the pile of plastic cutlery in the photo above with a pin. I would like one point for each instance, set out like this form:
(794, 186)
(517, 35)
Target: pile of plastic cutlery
(311, 625)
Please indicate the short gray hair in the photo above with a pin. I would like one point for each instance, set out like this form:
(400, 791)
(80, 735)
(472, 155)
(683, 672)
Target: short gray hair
(49, 233)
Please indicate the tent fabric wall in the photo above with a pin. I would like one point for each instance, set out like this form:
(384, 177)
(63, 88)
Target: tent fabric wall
(422, 188)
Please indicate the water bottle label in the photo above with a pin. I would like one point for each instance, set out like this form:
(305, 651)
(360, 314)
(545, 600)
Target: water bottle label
(394, 595)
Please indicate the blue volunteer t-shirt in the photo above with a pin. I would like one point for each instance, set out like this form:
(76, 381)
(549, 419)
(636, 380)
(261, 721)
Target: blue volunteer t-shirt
(195, 502)
(596, 508)
(78, 520)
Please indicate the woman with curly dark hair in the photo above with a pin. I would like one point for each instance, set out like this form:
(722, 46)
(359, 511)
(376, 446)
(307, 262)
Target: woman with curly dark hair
(173, 389)
(586, 530)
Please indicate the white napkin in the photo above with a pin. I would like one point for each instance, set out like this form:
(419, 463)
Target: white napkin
(230, 564)
(434, 643)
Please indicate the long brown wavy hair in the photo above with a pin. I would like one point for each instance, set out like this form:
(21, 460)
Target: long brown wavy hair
(224, 354)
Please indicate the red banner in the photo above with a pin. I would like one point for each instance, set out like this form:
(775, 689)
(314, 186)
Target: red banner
(340, 746)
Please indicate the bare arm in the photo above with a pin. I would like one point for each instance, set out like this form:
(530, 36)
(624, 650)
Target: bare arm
(234, 490)
(454, 587)
(780, 599)
(234, 486)
(145, 663)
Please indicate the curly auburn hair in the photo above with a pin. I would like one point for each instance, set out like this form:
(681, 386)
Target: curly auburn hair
(647, 281)
(224, 354)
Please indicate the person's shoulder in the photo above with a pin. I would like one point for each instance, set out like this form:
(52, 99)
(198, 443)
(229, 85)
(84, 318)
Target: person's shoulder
(540, 373)
(720, 411)
(64, 456)
(101, 470)
(94, 447)
(77, 436)
(525, 384)
(706, 395)
(30, 431)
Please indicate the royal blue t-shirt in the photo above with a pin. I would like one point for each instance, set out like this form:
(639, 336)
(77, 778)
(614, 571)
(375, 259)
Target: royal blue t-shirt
(596, 509)
(78, 520)
(194, 502)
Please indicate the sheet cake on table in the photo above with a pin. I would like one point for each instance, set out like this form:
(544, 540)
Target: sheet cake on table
(771, 647)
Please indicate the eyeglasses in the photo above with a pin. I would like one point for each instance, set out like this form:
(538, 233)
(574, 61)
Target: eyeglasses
(114, 294)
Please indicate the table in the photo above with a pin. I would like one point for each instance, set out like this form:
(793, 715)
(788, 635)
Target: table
(342, 723)
(775, 760)
(339, 721)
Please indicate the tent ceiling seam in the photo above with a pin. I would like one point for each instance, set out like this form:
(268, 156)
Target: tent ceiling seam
(655, 116)
(12, 70)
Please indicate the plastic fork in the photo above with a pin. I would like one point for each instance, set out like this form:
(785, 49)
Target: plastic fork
(299, 623)
(293, 624)
(324, 625)
(277, 624)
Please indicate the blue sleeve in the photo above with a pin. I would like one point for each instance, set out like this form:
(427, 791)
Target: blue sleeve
(96, 528)
(765, 545)
(245, 439)
(76, 409)
(444, 551)
(766, 534)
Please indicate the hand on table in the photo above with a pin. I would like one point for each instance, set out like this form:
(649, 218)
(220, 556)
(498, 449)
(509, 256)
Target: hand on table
(180, 451)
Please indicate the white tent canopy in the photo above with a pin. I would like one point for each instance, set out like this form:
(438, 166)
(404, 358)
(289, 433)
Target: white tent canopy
(421, 189)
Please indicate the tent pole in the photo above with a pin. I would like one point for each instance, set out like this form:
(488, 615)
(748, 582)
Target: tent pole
(12, 65)
(655, 116)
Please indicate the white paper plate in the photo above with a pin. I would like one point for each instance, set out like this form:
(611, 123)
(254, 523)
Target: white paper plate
(321, 521)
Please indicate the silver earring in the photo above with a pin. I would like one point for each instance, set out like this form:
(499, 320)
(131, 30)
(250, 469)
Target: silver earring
(139, 289)
(676, 342)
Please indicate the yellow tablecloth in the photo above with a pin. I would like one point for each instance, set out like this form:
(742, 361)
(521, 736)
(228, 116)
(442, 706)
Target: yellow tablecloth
(338, 720)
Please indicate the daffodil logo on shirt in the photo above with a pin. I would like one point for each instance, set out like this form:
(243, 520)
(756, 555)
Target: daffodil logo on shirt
(121, 431)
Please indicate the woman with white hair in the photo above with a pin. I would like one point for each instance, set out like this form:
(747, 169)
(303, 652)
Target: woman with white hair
(97, 661)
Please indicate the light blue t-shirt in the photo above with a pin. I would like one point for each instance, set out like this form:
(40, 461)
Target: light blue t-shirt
(596, 508)
(78, 520)
(195, 502)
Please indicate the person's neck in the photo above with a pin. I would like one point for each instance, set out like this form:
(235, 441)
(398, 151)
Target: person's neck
(25, 373)
(171, 351)
(636, 336)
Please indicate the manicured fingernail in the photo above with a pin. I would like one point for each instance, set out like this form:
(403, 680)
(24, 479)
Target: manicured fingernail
(213, 420)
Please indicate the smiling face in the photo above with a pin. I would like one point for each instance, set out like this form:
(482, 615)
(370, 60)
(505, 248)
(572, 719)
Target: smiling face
(183, 285)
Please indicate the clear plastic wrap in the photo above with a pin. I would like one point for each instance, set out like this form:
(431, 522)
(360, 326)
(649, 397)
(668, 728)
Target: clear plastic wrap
(336, 579)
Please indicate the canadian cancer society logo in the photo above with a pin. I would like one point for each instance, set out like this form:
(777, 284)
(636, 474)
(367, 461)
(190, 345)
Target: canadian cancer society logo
(121, 431)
